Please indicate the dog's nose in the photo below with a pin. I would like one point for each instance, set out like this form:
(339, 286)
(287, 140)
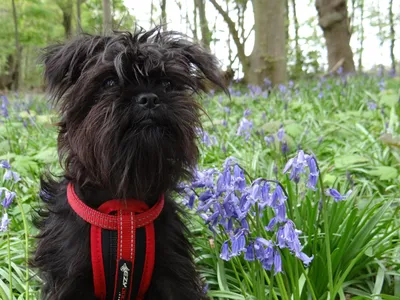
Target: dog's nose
(148, 100)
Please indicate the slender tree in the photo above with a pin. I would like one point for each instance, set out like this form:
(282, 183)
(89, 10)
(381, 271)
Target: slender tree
(392, 37)
(360, 58)
(333, 19)
(205, 31)
(78, 16)
(163, 6)
(66, 7)
(107, 17)
(17, 62)
(194, 27)
(268, 58)
(298, 55)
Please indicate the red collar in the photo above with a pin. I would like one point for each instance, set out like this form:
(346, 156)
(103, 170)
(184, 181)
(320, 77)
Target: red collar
(131, 217)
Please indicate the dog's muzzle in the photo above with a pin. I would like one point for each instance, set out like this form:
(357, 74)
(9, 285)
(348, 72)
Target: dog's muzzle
(122, 243)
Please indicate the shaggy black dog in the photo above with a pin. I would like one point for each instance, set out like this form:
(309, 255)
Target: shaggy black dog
(127, 130)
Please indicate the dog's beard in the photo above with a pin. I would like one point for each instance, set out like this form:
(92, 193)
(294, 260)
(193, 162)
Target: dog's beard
(132, 152)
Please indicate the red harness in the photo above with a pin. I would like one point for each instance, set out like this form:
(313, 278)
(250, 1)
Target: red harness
(134, 249)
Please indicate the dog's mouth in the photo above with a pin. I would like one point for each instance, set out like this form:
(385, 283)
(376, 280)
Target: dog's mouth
(148, 121)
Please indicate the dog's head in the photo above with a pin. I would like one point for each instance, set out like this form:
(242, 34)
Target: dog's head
(128, 108)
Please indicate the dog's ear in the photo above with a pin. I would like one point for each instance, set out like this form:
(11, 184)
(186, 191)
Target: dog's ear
(205, 68)
(63, 63)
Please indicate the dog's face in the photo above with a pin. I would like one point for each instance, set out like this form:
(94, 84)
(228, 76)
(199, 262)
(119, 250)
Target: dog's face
(128, 109)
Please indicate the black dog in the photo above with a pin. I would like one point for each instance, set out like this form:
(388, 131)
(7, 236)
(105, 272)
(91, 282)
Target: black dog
(127, 130)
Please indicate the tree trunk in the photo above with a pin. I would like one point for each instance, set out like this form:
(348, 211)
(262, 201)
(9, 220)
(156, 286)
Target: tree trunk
(392, 37)
(205, 31)
(163, 5)
(268, 59)
(66, 7)
(17, 62)
(107, 18)
(333, 19)
(360, 65)
(194, 29)
(299, 57)
(78, 17)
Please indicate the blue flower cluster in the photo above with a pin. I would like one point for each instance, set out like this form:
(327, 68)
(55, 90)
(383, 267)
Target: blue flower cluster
(6, 196)
(229, 205)
(298, 166)
(207, 139)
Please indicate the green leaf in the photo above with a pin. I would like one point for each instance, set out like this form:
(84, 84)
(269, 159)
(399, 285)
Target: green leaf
(346, 161)
(221, 276)
(389, 98)
(226, 295)
(384, 173)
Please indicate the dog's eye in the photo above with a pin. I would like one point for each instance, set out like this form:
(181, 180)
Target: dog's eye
(167, 85)
(110, 82)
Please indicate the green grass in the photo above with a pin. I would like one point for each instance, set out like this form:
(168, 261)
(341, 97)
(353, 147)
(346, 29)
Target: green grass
(355, 243)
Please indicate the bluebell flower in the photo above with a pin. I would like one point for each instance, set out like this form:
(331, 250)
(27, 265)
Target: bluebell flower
(259, 249)
(267, 82)
(269, 139)
(247, 112)
(278, 196)
(281, 134)
(207, 139)
(4, 109)
(8, 198)
(277, 262)
(245, 224)
(4, 223)
(297, 166)
(245, 127)
(238, 243)
(249, 254)
(336, 195)
(227, 110)
(282, 88)
(372, 105)
(305, 258)
(204, 178)
(5, 165)
(284, 147)
(225, 251)
(11, 175)
(280, 212)
(238, 177)
(271, 224)
(205, 195)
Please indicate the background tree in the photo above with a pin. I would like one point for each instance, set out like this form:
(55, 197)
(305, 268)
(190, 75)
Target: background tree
(163, 6)
(17, 61)
(268, 58)
(200, 6)
(66, 7)
(392, 37)
(333, 19)
(107, 17)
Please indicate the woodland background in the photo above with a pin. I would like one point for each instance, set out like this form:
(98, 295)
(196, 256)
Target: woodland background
(275, 39)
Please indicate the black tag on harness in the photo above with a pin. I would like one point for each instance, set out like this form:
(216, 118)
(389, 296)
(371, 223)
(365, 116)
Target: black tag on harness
(124, 280)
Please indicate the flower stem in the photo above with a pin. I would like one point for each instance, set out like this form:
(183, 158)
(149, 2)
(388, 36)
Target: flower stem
(26, 248)
(269, 283)
(281, 286)
(238, 279)
(327, 239)
(9, 265)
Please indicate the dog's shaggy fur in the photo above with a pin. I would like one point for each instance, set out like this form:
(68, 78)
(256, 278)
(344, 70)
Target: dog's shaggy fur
(110, 147)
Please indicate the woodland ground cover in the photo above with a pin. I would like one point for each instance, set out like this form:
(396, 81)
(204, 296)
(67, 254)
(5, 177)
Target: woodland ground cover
(328, 227)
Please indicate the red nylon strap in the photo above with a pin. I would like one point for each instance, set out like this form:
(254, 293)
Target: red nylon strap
(131, 214)
(110, 222)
